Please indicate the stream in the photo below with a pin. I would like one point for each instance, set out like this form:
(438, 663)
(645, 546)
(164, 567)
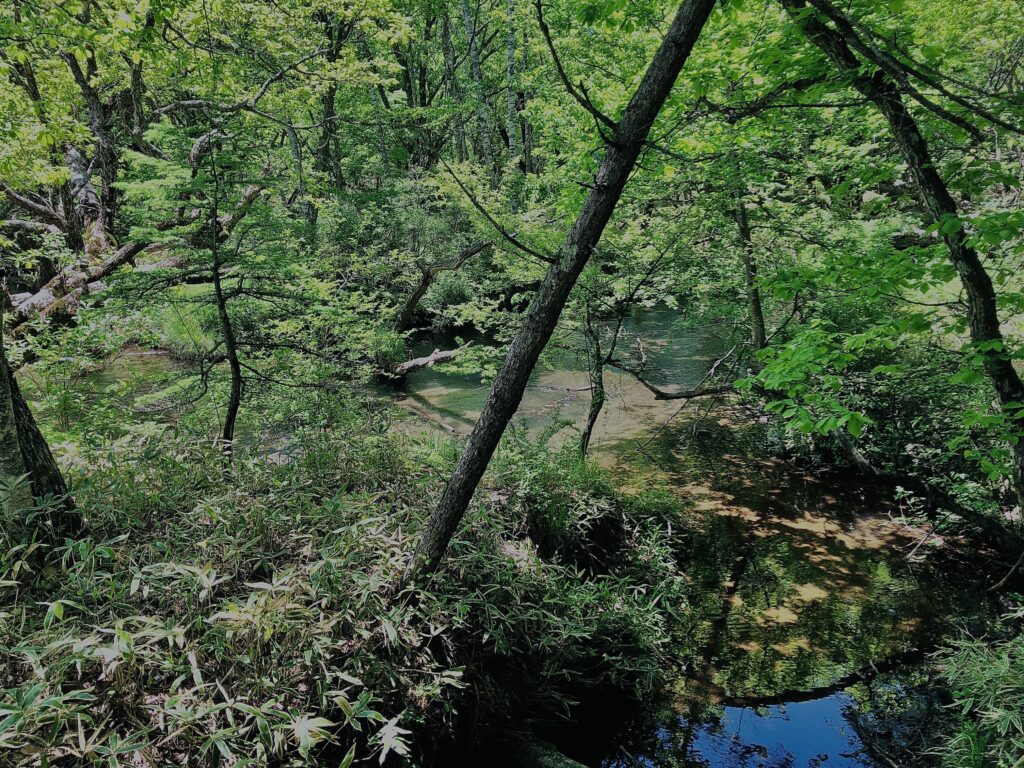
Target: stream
(810, 608)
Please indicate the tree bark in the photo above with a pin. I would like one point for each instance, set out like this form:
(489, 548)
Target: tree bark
(231, 352)
(405, 314)
(522, 96)
(16, 493)
(60, 296)
(595, 373)
(758, 329)
(98, 236)
(24, 452)
(620, 157)
(510, 75)
(454, 91)
(328, 147)
(880, 89)
(435, 357)
(479, 96)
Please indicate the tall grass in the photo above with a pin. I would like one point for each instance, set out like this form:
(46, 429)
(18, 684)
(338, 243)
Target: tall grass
(249, 616)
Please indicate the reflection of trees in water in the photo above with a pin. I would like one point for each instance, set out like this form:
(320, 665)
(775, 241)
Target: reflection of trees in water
(799, 589)
(807, 592)
(901, 722)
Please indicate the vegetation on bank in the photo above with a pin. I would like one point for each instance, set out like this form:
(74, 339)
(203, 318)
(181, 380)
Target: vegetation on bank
(237, 554)
(251, 615)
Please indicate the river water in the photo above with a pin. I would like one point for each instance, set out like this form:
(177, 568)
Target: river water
(810, 605)
(558, 390)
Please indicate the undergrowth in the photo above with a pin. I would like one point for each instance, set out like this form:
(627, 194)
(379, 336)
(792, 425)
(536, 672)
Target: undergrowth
(249, 615)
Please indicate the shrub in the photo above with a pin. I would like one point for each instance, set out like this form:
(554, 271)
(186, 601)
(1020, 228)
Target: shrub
(249, 615)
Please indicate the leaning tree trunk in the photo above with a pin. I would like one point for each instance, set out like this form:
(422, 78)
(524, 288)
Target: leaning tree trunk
(595, 374)
(621, 155)
(231, 353)
(406, 313)
(881, 90)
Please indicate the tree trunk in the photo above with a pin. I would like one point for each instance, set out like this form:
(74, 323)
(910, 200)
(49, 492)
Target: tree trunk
(405, 314)
(510, 74)
(90, 217)
(595, 373)
(542, 317)
(24, 452)
(528, 166)
(758, 329)
(16, 493)
(98, 236)
(428, 361)
(60, 296)
(880, 89)
(231, 352)
(479, 95)
(328, 148)
(454, 91)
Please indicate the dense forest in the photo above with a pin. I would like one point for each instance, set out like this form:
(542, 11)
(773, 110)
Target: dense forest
(537, 383)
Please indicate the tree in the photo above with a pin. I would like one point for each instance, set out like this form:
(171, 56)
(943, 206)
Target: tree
(877, 80)
(624, 147)
(24, 455)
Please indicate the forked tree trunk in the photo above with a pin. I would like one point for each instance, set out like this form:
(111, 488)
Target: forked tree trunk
(507, 392)
(882, 91)
(406, 313)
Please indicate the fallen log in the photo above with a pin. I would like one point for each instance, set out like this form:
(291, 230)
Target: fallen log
(62, 295)
(435, 357)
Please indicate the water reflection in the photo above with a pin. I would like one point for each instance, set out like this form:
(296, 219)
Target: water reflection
(811, 734)
(803, 587)
(804, 598)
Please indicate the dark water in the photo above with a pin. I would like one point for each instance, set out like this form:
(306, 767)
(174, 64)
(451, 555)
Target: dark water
(806, 733)
(810, 733)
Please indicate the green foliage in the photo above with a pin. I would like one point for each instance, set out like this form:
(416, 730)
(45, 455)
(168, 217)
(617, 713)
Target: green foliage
(986, 678)
(317, 159)
(250, 613)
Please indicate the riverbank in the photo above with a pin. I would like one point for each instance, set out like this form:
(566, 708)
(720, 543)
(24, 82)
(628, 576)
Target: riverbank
(687, 574)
